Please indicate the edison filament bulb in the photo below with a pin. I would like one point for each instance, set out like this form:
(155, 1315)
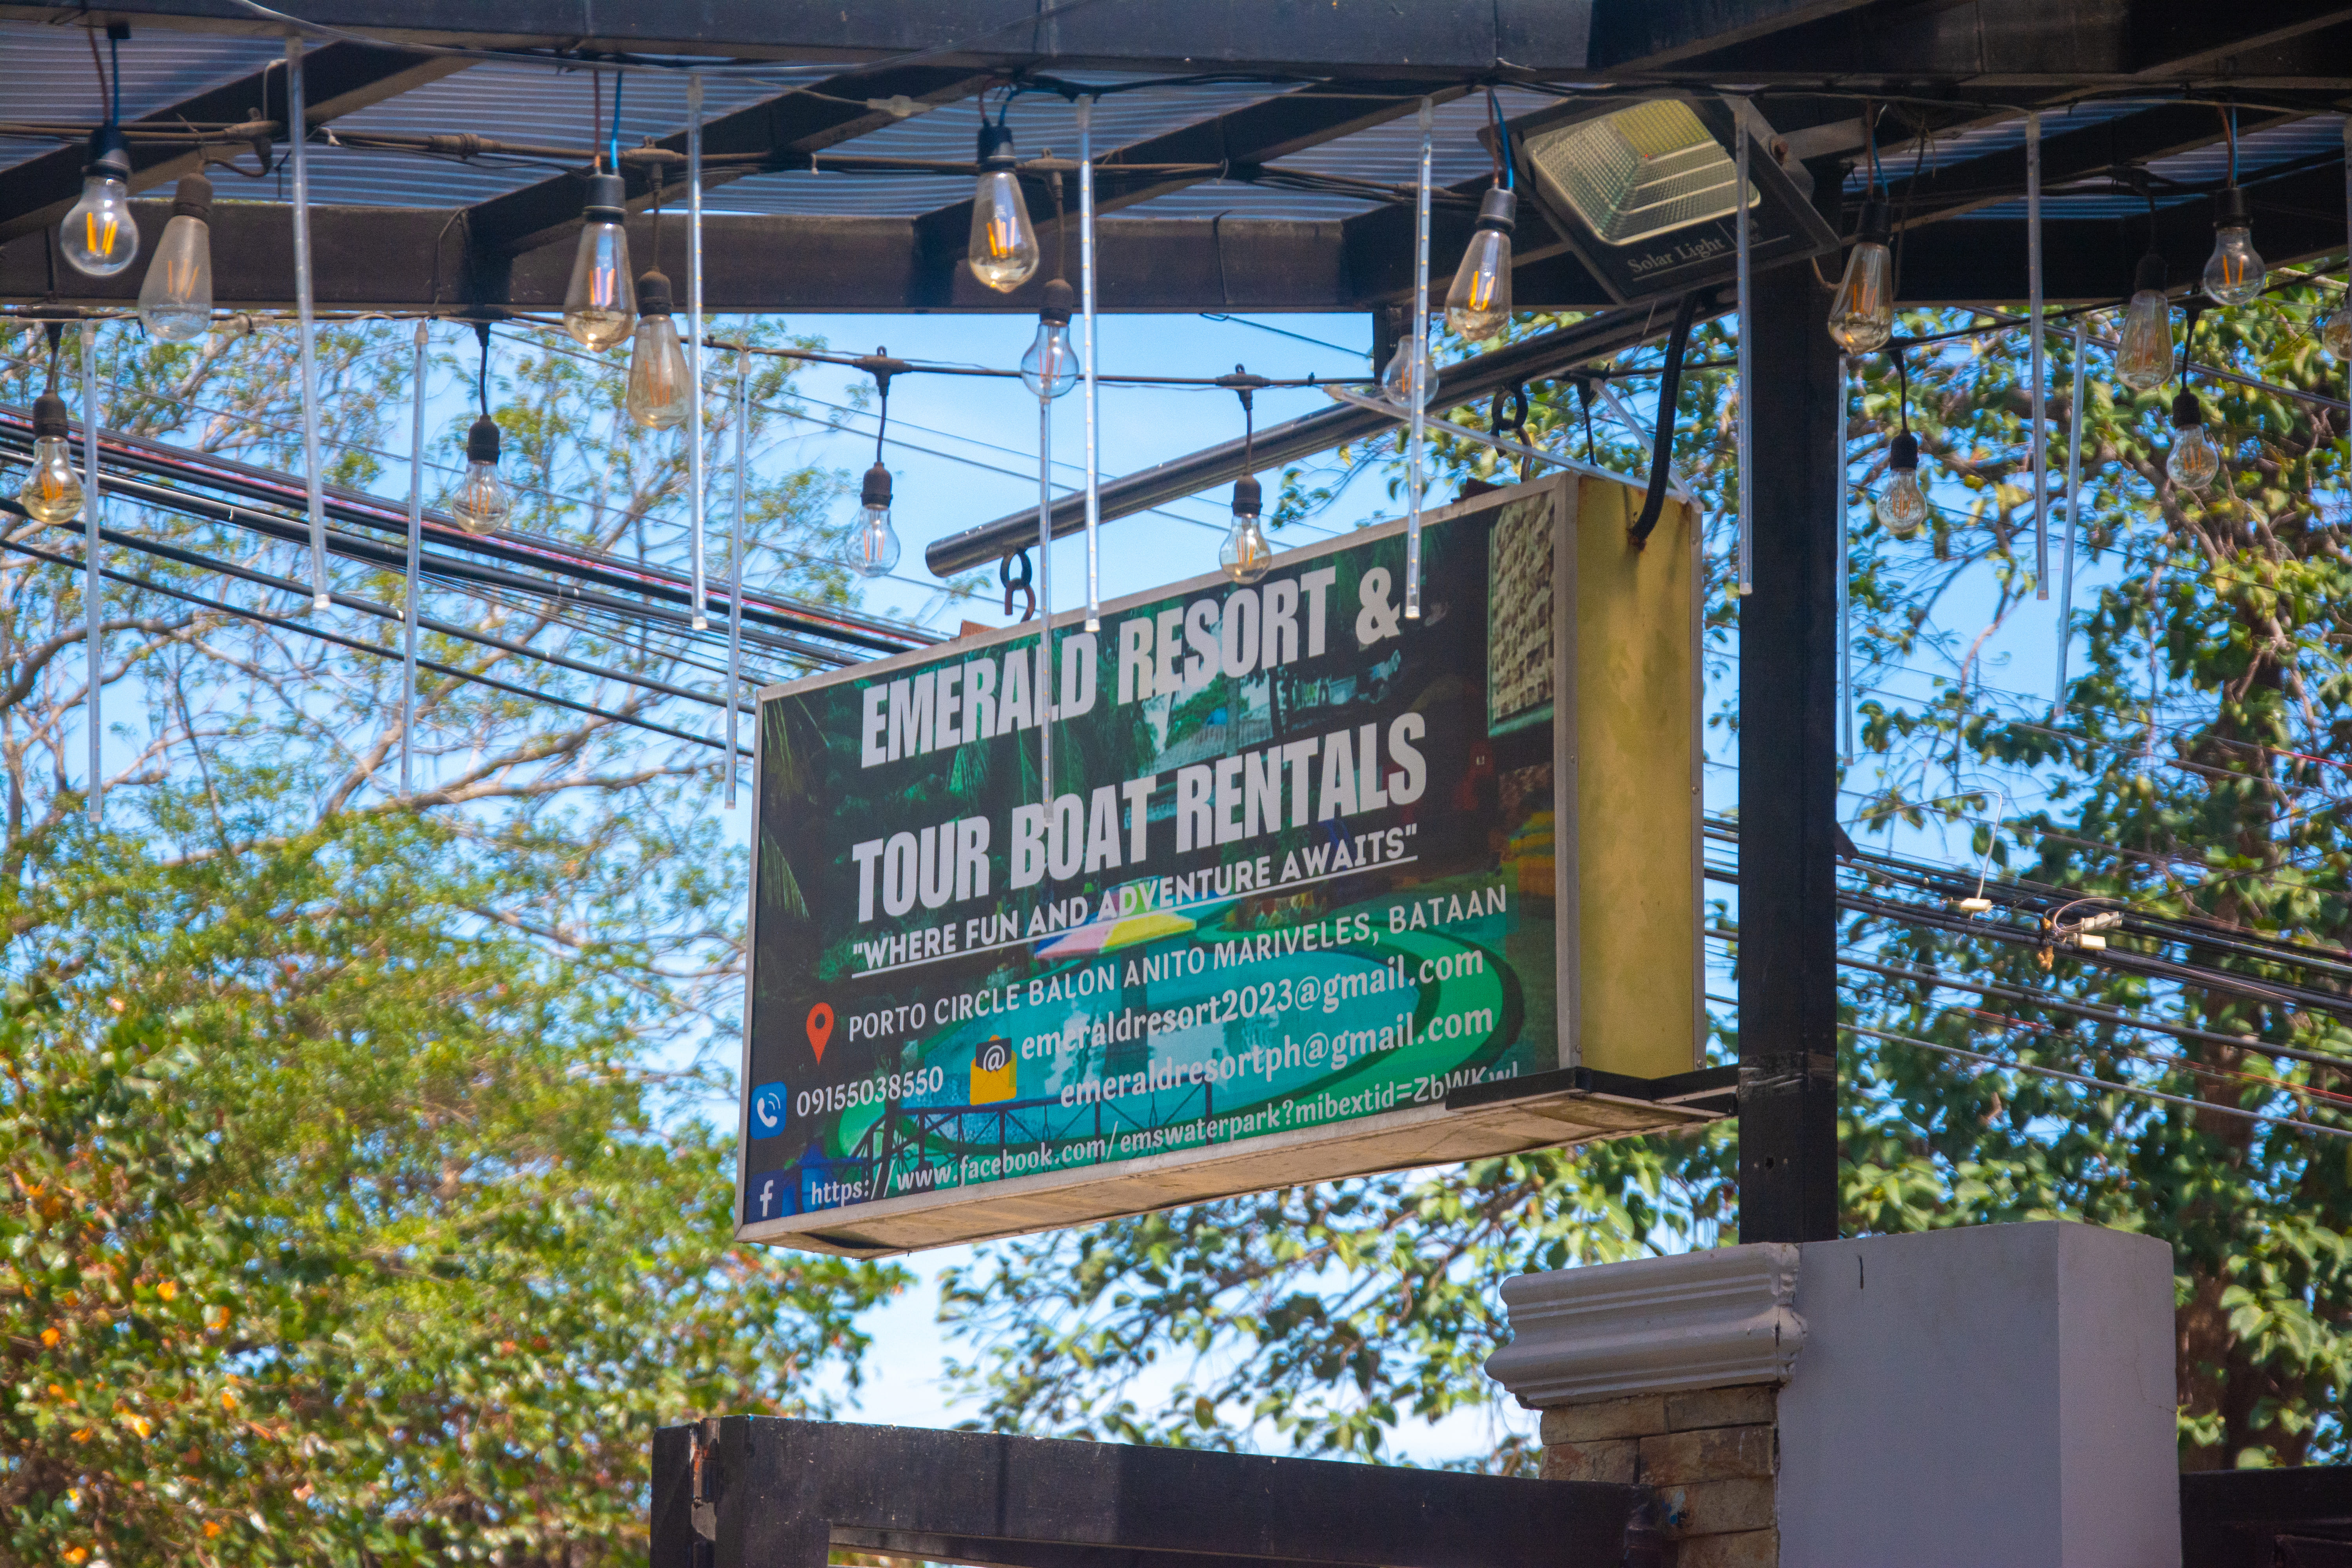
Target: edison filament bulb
(1245, 553)
(2195, 460)
(1396, 380)
(52, 490)
(1862, 316)
(1050, 368)
(1479, 304)
(2144, 362)
(1003, 249)
(482, 503)
(1901, 510)
(2234, 273)
(98, 233)
(656, 396)
(2336, 333)
(873, 544)
(176, 301)
(600, 304)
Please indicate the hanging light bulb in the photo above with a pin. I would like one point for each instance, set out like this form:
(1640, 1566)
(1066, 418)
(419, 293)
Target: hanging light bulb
(1479, 304)
(658, 374)
(51, 492)
(99, 235)
(600, 305)
(872, 549)
(2144, 363)
(1862, 316)
(1396, 380)
(1245, 553)
(1901, 508)
(483, 501)
(175, 301)
(2336, 333)
(2194, 460)
(1050, 368)
(2234, 273)
(1003, 249)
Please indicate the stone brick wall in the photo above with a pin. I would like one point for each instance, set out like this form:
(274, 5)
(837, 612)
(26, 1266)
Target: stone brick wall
(1709, 1455)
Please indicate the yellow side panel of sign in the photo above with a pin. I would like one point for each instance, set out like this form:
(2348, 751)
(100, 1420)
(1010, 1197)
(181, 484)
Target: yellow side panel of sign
(1633, 753)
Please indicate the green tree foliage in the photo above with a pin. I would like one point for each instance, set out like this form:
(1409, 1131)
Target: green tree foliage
(358, 1202)
(2195, 770)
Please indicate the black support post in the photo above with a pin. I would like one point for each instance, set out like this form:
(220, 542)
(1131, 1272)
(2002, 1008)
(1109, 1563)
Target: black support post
(1788, 779)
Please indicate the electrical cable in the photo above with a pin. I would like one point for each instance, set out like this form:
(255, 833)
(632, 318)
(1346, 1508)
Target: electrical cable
(2134, 1090)
(286, 623)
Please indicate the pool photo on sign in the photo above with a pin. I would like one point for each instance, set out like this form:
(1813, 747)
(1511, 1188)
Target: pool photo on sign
(1296, 874)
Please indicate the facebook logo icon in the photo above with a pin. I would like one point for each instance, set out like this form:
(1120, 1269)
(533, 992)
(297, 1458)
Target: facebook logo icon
(767, 1195)
(768, 1111)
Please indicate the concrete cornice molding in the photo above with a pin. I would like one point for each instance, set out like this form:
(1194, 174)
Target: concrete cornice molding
(1655, 1325)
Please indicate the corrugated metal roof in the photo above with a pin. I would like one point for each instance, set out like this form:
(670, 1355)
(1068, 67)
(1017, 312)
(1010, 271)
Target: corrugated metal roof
(50, 78)
(49, 73)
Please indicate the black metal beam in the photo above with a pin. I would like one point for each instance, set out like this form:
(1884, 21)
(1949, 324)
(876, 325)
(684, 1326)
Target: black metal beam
(2296, 216)
(1788, 777)
(412, 258)
(804, 121)
(1467, 381)
(1255, 134)
(1992, 43)
(1630, 37)
(2254, 1518)
(784, 1494)
(1460, 40)
(337, 79)
(1950, 190)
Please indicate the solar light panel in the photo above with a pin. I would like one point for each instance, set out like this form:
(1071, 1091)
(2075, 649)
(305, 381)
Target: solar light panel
(1639, 173)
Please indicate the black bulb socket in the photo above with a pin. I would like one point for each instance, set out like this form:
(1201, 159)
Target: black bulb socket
(482, 441)
(608, 199)
(1904, 453)
(108, 153)
(653, 293)
(1878, 224)
(875, 491)
(1061, 303)
(995, 147)
(2231, 209)
(1500, 208)
(50, 420)
(194, 198)
(1249, 496)
(2187, 413)
(2150, 277)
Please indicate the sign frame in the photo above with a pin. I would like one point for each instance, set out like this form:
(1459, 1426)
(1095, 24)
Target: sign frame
(1568, 1105)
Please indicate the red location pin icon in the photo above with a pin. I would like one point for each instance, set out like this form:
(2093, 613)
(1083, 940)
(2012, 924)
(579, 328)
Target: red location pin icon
(820, 1027)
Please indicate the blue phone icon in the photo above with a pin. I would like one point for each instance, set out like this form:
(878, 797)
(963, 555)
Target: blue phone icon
(768, 1110)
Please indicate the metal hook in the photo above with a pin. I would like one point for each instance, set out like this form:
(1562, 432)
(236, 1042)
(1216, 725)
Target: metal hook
(1018, 584)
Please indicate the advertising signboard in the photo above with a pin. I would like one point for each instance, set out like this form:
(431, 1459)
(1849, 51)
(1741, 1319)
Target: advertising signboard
(1302, 874)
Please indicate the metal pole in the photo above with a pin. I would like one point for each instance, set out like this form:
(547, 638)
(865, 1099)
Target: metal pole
(1844, 564)
(1744, 571)
(2073, 500)
(735, 555)
(1418, 378)
(1787, 780)
(1086, 286)
(2040, 375)
(694, 336)
(1042, 698)
(415, 532)
(94, 592)
(298, 136)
